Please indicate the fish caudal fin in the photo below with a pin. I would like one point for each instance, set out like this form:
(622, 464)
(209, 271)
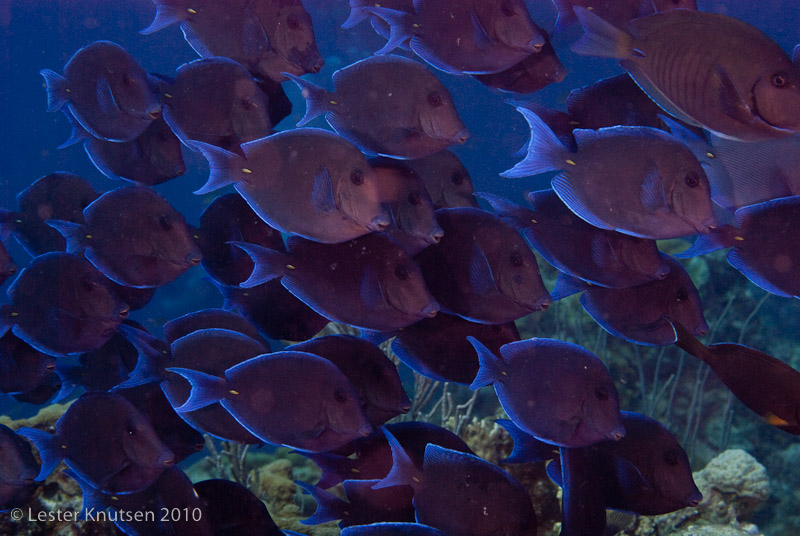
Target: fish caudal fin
(152, 361)
(566, 17)
(206, 389)
(318, 99)
(545, 152)
(74, 233)
(329, 506)
(167, 14)
(56, 89)
(491, 366)
(269, 263)
(398, 27)
(357, 15)
(226, 167)
(403, 471)
(49, 447)
(526, 447)
(601, 38)
(724, 237)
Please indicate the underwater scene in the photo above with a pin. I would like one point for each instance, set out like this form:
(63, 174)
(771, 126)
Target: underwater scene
(400, 267)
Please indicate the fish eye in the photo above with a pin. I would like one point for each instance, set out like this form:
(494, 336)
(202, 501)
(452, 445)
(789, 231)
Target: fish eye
(164, 222)
(681, 295)
(248, 104)
(670, 458)
(357, 177)
(516, 258)
(340, 395)
(293, 22)
(88, 285)
(413, 198)
(435, 99)
(401, 273)
(601, 393)
(457, 178)
(130, 430)
(508, 9)
(778, 80)
(128, 80)
(692, 180)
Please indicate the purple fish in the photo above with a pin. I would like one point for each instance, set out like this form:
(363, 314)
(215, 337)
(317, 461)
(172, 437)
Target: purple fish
(638, 314)
(363, 505)
(437, 347)
(22, 367)
(482, 270)
(106, 367)
(368, 282)
(134, 236)
(471, 37)
(61, 304)
(557, 391)
(105, 90)
(462, 494)
(447, 180)
(598, 256)
(17, 470)
(233, 509)
(636, 180)
(709, 70)
(304, 181)
(617, 12)
(211, 319)
(763, 245)
(262, 394)
(414, 116)
(152, 158)
(57, 196)
(216, 100)
(373, 375)
(106, 441)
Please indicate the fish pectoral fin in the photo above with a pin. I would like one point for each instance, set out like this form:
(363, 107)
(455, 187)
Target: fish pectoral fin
(322, 199)
(105, 98)
(630, 477)
(481, 278)
(371, 290)
(728, 98)
(480, 36)
(653, 196)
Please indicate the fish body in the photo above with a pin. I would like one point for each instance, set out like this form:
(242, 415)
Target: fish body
(617, 12)
(447, 180)
(17, 470)
(710, 70)
(232, 507)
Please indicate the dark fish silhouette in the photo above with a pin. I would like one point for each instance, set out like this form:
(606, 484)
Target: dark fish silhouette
(234, 510)
(636, 314)
(18, 468)
(134, 236)
(57, 196)
(438, 348)
(211, 319)
(105, 90)
(373, 457)
(446, 179)
(413, 224)
(61, 304)
(374, 377)
(7, 265)
(766, 385)
(482, 270)
(152, 158)
(598, 256)
(106, 441)
(708, 70)
(538, 70)
(368, 282)
(171, 493)
(216, 100)
(659, 188)
(763, 245)
(617, 12)
(304, 181)
(22, 367)
(387, 105)
(261, 394)
(105, 367)
(363, 505)
(462, 494)
(557, 391)
(472, 37)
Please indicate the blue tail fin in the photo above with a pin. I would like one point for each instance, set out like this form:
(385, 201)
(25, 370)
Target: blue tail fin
(154, 357)
(723, 237)
(567, 285)
(206, 389)
(545, 152)
(526, 447)
(335, 467)
(398, 27)
(491, 366)
(49, 447)
(166, 15)
(225, 167)
(56, 89)
(73, 232)
(269, 263)
(601, 38)
(403, 471)
(318, 99)
(329, 506)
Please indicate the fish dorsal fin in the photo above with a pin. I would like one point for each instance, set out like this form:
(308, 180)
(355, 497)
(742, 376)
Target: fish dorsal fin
(653, 196)
(105, 98)
(322, 199)
(728, 98)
